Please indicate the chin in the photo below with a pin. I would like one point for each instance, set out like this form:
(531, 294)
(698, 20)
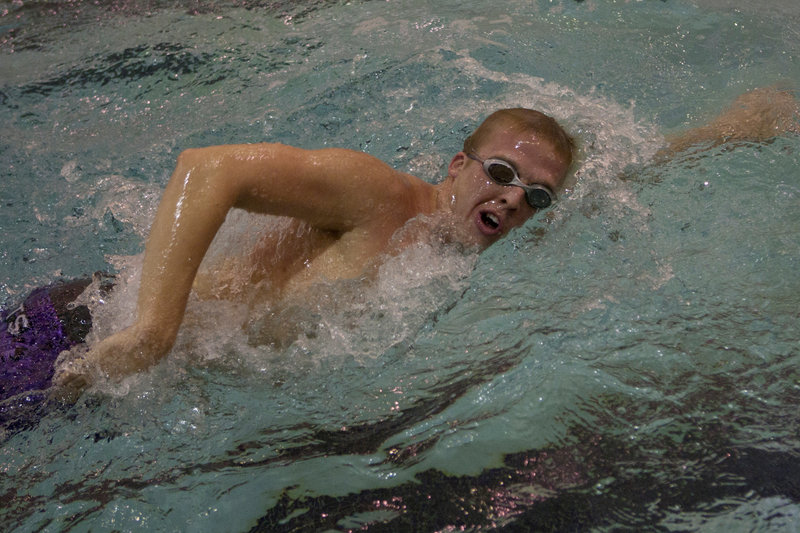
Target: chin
(482, 242)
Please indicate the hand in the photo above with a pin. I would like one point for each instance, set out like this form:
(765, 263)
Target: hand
(124, 353)
(72, 376)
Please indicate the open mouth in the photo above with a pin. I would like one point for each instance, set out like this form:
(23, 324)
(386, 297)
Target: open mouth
(490, 221)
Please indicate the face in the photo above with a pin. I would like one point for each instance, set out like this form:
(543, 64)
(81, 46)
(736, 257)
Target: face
(487, 210)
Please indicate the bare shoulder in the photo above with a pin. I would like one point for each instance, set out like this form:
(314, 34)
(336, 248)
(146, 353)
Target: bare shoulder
(385, 189)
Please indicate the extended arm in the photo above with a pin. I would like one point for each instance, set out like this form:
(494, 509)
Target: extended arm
(757, 115)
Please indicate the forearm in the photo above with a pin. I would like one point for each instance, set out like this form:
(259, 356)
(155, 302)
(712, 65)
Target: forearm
(193, 207)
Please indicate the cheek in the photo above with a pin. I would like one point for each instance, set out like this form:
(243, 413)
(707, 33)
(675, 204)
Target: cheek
(475, 190)
(465, 194)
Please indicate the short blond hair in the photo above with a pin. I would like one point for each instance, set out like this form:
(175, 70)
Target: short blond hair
(521, 120)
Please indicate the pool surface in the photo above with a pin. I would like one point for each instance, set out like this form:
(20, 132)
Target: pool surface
(629, 363)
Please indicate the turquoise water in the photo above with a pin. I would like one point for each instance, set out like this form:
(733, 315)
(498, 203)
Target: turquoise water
(629, 364)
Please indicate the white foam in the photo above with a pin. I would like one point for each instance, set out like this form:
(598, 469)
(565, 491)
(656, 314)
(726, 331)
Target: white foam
(358, 319)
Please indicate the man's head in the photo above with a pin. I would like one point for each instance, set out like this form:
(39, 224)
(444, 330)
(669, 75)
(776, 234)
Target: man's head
(523, 122)
(533, 145)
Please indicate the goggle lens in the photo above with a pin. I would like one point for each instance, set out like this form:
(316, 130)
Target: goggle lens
(502, 174)
(538, 198)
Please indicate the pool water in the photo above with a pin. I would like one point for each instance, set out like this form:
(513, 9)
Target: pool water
(629, 362)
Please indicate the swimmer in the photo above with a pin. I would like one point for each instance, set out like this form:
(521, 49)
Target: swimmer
(349, 204)
(351, 207)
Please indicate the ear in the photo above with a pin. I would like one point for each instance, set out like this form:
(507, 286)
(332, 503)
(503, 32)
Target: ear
(456, 164)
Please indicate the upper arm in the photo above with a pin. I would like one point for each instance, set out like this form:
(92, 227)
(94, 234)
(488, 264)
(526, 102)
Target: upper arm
(334, 189)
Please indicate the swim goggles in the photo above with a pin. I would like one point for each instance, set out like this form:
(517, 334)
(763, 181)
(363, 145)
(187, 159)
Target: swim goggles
(503, 173)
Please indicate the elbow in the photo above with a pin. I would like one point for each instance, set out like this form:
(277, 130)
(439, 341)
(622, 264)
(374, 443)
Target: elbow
(206, 167)
(198, 178)
(192, 158)
(187, 167)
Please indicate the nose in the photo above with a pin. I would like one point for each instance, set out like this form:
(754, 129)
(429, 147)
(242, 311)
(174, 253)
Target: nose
(513, 197)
